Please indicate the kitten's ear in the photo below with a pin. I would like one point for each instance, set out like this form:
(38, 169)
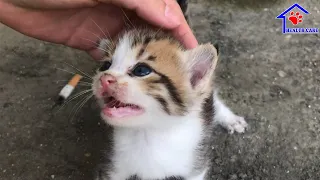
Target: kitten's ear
(201, 62)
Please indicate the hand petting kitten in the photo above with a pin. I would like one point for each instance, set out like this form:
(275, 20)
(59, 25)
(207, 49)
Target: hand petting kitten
(81, 23)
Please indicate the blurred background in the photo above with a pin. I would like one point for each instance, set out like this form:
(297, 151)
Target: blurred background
(271, 78)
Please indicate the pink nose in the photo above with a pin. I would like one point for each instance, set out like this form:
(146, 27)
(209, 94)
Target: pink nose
(106, 80)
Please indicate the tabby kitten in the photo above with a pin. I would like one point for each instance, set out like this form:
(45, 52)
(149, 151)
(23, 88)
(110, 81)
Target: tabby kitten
(161, 101)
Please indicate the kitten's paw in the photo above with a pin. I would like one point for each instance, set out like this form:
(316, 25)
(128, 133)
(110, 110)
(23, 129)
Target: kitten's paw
(236, 124)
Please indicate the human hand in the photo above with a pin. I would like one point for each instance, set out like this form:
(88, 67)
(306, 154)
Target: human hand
(81, 23)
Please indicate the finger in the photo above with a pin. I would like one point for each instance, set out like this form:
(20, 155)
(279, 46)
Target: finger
(185, 36)
(182, 32)
(163, 13)
(156, 12)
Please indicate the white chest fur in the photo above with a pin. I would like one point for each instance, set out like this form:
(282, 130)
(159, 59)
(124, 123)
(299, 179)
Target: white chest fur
(154, 153)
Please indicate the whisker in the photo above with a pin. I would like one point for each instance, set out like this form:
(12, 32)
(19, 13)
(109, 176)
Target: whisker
(128, 18)
(64, 70)
(102, 49)
(103, 31)
(96, 35)
(97, 45)
(83, 73)
(73, 97)
(86, 99)
(85, 83)
(161, 27)
(69, 72)
(76, 105)
(58, 81)
(127, 26)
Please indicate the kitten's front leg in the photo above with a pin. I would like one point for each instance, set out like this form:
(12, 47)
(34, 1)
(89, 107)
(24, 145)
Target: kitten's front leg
(226, 118)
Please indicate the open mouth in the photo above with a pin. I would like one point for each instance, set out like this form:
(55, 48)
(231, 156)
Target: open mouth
(116, 109)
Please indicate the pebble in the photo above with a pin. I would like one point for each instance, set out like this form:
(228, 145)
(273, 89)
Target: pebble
(282, 73)
(233, 158)
(288, 36)
(307, 49)
(233, 177)
(87, 154)
(52, 176)
(242, 175)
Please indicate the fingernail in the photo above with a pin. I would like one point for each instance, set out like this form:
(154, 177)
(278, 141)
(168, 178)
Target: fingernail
(172, 16)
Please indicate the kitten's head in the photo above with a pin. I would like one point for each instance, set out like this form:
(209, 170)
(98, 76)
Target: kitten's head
(148, 79)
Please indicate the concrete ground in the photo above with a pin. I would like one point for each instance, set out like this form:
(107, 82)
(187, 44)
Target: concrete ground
(271, 78)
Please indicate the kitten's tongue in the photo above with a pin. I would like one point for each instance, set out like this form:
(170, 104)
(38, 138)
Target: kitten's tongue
(121, 112)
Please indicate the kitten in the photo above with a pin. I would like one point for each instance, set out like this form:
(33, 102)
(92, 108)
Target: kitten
(161, 101)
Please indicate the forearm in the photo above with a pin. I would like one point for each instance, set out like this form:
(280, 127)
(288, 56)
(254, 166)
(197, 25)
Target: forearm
(50, 4)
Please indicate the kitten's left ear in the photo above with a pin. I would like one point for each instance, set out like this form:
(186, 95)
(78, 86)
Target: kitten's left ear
(201, 62)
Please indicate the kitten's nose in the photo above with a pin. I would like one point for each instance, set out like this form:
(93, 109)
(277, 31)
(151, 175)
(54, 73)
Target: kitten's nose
(106, 80)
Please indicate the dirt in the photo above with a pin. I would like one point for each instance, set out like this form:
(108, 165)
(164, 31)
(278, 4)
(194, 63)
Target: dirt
(271, 78)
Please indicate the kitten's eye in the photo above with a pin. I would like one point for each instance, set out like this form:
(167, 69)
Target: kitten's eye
(106, 65)
(141, 70)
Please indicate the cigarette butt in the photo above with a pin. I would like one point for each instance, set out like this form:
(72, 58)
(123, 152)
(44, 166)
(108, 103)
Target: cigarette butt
(75, 80)
(67, 89)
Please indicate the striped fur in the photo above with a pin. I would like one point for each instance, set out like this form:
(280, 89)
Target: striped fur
(171, 140)
(174, 92)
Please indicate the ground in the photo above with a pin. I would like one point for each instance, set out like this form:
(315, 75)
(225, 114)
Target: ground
(271, 78)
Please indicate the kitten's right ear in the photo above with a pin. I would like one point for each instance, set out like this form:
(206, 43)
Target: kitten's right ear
(201, 62)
